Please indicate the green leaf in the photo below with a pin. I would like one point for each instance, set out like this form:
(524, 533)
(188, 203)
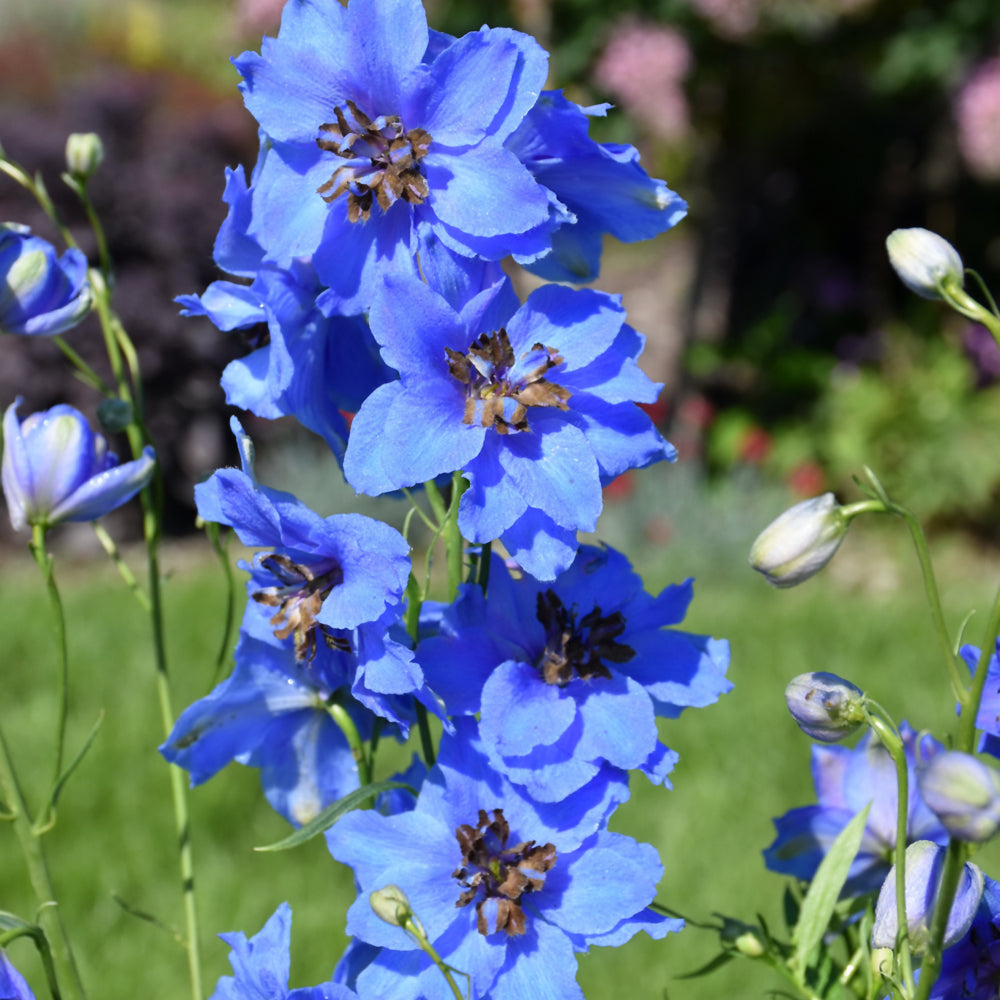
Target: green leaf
(820, 900)
(332, 813)
(710, 966)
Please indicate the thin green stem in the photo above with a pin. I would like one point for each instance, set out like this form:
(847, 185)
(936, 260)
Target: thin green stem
(36, 187)
(987, 294)
(963, 303)
(124, 571)
(340, 715)
(933, 595)
(885, 729)
(974, 696)
(84, 371)
(453, 541)
(215, 537)
(46, 563)
(41, 882)
(151, 499)
(79, 188)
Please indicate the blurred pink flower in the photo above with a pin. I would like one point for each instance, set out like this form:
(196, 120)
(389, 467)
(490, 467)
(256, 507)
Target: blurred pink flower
(730, 18)
(977, 112)
(643, 66)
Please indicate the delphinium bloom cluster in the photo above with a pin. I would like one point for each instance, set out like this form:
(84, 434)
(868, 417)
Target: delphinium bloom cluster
(398, 167)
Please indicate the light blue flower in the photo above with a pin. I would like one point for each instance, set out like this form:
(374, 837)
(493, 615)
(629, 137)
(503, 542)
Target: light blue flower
(509, 891)
(12, 984)
(55, 468)
(383, 148)
(261, 966)
(40, 293)
(535, 405)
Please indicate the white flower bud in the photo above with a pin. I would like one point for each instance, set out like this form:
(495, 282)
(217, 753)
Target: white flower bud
(800, 542)
(924, 261)
(84, 154)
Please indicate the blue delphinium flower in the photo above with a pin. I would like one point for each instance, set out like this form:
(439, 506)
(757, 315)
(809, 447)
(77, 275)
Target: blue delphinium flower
(55, 469)
(846, 781)
(12, 983)
(335, 585)
(379, 151)
(261, 966)
(40, 292)
(273, 713)
(312, 366)
(988, 719)
(970, 968)
(569, 677)
(602, 184)
(534, 404)
(507, 891)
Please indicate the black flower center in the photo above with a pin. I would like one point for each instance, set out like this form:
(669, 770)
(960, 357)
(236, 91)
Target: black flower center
(497, 876)
(487, 372)
(298, 598)
(382, 161)
(578, 648)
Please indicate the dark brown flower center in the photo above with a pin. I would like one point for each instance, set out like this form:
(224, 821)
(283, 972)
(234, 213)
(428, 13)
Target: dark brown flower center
(487, 372)
(298, 598)
(578, 649)
(497, 876)
(382, 161)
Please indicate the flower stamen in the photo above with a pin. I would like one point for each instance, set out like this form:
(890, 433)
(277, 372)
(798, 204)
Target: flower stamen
(383, 161)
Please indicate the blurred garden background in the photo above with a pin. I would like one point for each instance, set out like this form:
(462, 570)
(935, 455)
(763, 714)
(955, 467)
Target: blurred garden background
(801, 132)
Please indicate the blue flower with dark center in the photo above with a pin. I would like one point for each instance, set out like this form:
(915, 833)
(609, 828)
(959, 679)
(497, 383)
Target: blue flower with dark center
(535, 405)
(261, 966)
(380, 152)
(273, 713)
(602, 184)
(846, 780)
(507, 890)
(306, 364)
(570, 677)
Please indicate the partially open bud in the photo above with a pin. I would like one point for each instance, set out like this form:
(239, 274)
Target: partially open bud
(825, 706)
(391, 905)
(963, 792)
(924, 261)
(924, 863)
(84, 154)
(800, 542)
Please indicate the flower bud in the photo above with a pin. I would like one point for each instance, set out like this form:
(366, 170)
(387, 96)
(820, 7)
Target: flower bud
(40, 293)
(924, 261)
(84, 154)
(391, 905)
(55, 468)
(963, 792)
(800, 542)
(825, 706)
(924, 863)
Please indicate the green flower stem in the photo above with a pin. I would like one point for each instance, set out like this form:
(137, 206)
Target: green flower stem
(214, 534)
(79, 188)
(124, 571)
(933, 595)
(453, 542)
(974, 695)
(46, 563)
(962, 302)
(416, 931)
(41, 943)
(36, 187)
(414, 601)
(84, 372)
(951, 873)
(41, 882)
(889, 737)
(151, 499)
(346, 724)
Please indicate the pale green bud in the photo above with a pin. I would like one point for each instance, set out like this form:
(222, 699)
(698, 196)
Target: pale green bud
(390, 904)
(84, 154)
(825, 706)
(924, 261)
(800, 542)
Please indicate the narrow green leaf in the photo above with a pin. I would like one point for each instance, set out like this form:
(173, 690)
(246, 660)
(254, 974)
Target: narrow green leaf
(710, 966)
(12, 922)
(820, 900)
(75, 762)
(332, 813)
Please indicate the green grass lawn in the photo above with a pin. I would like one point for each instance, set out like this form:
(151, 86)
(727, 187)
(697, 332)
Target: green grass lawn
(742, 761)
